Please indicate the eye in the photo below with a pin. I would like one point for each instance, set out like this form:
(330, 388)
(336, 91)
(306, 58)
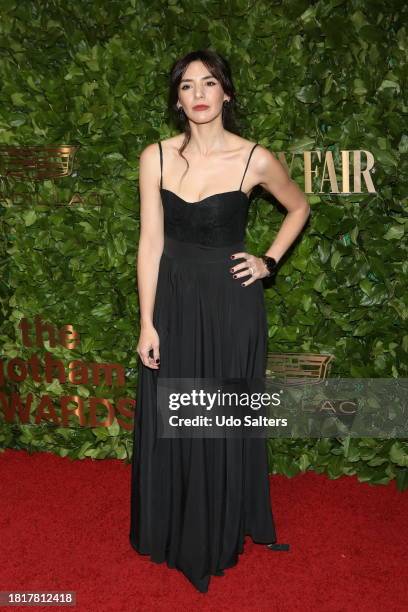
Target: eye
(213, 82)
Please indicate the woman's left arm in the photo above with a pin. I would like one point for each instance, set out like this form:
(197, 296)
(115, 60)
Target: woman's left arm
(269, 172)
(273, 177)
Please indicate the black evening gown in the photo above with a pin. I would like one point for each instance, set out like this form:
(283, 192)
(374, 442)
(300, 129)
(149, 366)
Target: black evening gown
(194, 500)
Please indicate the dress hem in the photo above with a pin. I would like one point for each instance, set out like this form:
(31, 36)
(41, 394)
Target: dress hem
(206, 579)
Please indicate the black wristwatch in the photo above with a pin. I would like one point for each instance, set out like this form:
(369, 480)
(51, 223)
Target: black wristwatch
(270, 263)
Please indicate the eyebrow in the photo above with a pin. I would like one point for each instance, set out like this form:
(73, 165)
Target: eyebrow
(202, 78)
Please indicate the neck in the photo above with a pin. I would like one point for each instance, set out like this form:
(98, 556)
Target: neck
(207, 139)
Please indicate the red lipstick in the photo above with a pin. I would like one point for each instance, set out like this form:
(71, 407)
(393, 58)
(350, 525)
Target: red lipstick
(200, 107)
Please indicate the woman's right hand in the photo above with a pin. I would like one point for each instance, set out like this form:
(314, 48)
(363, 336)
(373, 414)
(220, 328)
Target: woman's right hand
(149, 341)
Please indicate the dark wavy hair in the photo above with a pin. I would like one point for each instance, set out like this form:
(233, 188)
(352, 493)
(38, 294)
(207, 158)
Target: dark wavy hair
(219, 67)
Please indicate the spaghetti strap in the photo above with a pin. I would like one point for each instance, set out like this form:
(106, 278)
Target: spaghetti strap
(255, 145)
(161, 164)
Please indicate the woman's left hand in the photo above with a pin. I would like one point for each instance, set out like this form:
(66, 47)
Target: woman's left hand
(252, 266)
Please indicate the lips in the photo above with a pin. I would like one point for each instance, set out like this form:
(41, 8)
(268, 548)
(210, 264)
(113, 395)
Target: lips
(200, 107)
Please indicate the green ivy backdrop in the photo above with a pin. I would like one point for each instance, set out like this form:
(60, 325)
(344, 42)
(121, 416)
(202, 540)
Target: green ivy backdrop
(327, 75)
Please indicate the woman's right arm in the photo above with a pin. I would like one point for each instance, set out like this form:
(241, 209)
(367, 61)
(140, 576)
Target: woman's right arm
(151, 242)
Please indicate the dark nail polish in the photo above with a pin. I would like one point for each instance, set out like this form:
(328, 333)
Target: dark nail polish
(235, 276)
(232, 256)
(242, 284)
(157, 360)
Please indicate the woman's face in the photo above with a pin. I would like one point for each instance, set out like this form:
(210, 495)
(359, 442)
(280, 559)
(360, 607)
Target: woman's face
(200, 94)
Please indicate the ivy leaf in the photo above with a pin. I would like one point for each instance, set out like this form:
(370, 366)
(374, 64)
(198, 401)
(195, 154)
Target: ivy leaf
(30, 217)
(399, 454)
(395, 232)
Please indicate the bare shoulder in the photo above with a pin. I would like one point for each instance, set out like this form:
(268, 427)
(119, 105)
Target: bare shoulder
(173, 142)
(149, 161)
(265, 163)
(149, 166)
(263, 157)
(262, 160)
(150, 152)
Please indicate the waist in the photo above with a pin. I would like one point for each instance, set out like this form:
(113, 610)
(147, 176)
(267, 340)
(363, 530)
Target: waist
(192, 250)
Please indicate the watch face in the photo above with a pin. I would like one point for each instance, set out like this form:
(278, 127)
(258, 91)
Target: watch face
(270, 264)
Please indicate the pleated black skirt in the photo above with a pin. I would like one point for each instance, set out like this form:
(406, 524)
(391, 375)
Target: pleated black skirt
(193, 500)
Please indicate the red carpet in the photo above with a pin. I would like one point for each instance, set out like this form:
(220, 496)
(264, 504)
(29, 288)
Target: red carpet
(64, 526)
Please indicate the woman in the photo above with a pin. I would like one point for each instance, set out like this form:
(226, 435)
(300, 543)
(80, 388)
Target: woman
(193, 500)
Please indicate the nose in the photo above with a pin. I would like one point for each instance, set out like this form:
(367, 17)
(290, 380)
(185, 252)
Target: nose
(198, 92)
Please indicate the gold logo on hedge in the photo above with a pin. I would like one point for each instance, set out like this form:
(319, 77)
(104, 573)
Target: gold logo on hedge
(63, 407)
(326, 173)
(29, 175)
